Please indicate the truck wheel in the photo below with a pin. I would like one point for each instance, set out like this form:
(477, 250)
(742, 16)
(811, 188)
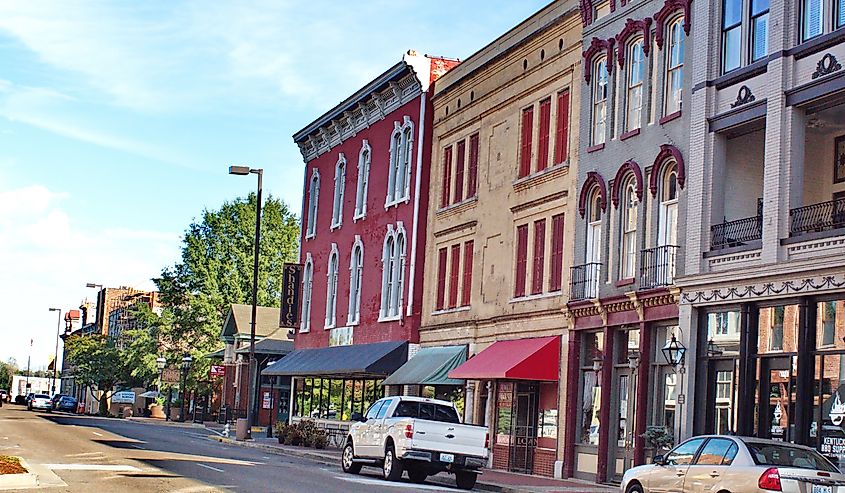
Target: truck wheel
(417, 475)
(347, 462)
(466, 480)
(392, 467)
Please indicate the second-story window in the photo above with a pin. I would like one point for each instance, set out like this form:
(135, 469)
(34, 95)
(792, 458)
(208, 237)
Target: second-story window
(675, 67)
(307, 285)
(331, 289)
(526, 141)
(472, 181)
(816, 17)
(401, 152)
(750, 17)
(356, 278)
(628, 230)
(460, 157)
(313, 197)
(636, 75)
(339, 188)
(562, 127)
(543, 137)
(446, 182)
(364, 158)
(593, 255)
(393, 272)
(600, 87)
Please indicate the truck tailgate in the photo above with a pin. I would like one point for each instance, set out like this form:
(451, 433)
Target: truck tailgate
(450, 437)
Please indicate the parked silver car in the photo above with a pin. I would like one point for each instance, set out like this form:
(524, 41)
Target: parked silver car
(734, 464)
(40, 401)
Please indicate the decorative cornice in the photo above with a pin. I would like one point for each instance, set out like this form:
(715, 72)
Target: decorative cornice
(826, 66)
(455, 228)
(777, 288)
(598, 45)
(629, 166)
(631, 28)
(662, 15)
(667, 151)
(743, 96)
(560, 194)
(593, 179)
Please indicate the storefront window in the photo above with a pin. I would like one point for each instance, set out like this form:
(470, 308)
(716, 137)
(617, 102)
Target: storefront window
(326, 398)
(828, 428)
(627, 344)
(778, 329)
(830, 324)
(591, 360)
(723, 333)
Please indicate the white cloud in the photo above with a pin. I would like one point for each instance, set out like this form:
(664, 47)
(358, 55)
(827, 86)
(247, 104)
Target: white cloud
(46, 257)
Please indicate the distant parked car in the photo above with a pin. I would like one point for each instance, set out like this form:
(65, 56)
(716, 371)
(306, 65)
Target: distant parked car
(55, 399)
(40, 401)
(66, 403)
(4, 395)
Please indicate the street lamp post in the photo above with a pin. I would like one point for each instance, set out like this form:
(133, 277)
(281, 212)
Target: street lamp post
(56, 355)
(253, 368)
(186, 366)
(161, 362)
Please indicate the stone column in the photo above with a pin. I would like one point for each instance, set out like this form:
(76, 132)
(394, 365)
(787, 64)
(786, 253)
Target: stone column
(469, 403)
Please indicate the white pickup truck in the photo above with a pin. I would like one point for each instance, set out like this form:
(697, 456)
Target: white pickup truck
(418, 435)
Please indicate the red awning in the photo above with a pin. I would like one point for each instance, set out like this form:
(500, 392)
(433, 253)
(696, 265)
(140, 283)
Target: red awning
(520, 359)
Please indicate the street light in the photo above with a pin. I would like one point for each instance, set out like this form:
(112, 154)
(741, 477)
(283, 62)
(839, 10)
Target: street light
(56, 355)
(93, 285)
(674, 352)
(186, 366)
(161, 362)
(253, 368)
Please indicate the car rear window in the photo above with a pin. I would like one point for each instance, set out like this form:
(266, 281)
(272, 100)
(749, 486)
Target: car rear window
(766, 454)
(426, 410)
(40, 396)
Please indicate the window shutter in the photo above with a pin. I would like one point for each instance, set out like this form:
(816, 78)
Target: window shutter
(447, 177)
(545, 125)
(521, 260)
(454, 276)
(467, 288)
(562, 130)
(527, 136)
(539, 256)
(459, 171)
(441, 279)
(472, 182)
(556, 263)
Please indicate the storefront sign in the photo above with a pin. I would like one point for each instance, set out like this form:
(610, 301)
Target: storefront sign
(837, 411)
(170, 375)
(833, 446)
(291, 280)
(125, 397)
(217, 371)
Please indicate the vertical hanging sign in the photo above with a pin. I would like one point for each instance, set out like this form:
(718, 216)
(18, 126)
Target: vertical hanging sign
(291, 281)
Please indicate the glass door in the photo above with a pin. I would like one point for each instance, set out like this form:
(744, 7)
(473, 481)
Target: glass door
(524, 439)
(776, 398)
(722, 396)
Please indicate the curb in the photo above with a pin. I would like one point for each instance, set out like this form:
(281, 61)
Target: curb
(19, 481)
(146, 421)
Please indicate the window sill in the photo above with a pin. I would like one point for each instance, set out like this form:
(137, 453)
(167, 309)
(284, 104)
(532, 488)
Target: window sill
(458, 205)
(394, 318)
(541, 176)
(335, 226)
(444, 311)
(595, 148)
(625, 282)
(532, 297)
(668, 118)
(310, 236)
(352, 323)
(817, 44)
(630, 133)
(397, 203)
(363, 216)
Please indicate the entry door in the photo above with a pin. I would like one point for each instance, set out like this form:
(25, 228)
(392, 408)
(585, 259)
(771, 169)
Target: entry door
(776, 398)
(524, 439)
(722, 396)
(667, 235)
(621, 457)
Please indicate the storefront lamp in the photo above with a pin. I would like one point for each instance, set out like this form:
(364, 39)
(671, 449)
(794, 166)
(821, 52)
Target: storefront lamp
(160, 363)
(633, 360)
(713, 349)
(597, 364)
(674, 352)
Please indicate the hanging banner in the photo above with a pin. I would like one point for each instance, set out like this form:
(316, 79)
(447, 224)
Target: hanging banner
(291, 281)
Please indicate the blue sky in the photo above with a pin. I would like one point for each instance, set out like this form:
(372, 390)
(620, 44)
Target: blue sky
(118, 120)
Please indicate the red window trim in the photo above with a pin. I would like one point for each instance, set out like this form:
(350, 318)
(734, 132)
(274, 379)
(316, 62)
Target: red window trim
(441, 279)
(521, 260)
(562, 127)
(454, 275)
(543, 137)
(459, 171)
(466, 294)
(526, 142)
(539, 256)
(556, 261)
(472, 181)
(446, 192)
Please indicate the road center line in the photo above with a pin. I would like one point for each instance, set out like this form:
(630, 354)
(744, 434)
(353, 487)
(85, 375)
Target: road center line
(209, 467)
(92, 467)
(98, 434)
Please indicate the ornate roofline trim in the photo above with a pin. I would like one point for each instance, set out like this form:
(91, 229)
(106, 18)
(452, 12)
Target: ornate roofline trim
(667, 151)
(629, 166)
(593, 180)
(663, 15)
(597, 46)
(631, 28)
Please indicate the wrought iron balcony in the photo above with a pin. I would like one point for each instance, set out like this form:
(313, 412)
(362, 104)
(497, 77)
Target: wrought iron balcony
(584, 281)
(736, 233)
(824, 216)
(658, 266)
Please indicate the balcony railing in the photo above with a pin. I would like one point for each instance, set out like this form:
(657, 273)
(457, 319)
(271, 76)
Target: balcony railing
(658, 266)
(817, 217)
(736, 233)
(584, 281)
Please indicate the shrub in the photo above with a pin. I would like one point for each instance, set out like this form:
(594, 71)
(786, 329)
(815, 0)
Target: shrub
(319, 439)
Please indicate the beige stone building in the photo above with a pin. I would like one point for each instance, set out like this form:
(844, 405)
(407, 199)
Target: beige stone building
(500, 228)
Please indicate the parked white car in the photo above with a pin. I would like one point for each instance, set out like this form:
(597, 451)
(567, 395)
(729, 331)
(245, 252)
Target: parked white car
(418, 435)
(720, 464)
(41, 401)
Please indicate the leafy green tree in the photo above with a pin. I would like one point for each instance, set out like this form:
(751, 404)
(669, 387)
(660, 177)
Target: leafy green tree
(7, 371)
(98, 364)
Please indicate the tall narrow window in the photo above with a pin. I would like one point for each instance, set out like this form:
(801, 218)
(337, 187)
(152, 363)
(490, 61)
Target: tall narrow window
(331, 289)
(813, 19)
(459, 170)
(759, 29)
(675, 67)
(339, 187)
(562, 127)
(454, 275)
(731, 35)
(472, 180)
(395, 159)
(526, 142)
(307, 285)
(363, 178)
(521, 260)
(629, 230)
(388, 273)
(543, 138)
(445, 189)
(466, 292)
(594, 246)
(556, 261)
(442, 255)
(399, 275)
(356, 271)
(539, 256)
(600, 82)
(403, 172)
(636, 74)
(313, 198)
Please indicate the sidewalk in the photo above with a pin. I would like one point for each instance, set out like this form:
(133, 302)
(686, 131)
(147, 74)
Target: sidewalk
(490, 480)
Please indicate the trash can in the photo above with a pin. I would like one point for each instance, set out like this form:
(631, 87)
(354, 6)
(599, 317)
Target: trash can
(241, 429)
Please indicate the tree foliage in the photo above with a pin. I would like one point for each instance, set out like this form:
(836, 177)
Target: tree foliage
(7, 371)
(97, 363)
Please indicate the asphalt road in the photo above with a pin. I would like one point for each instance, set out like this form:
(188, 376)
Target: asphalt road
(86, 454)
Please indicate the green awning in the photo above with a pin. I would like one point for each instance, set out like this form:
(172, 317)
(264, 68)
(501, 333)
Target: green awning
(430, 366)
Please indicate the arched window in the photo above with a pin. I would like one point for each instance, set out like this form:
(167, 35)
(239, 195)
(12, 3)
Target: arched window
(636, 75)
(628, 228)
(600, 89)
(401, 152)
(339, 187)
(667, 229)
(356, 270)
(594, 246)
(313, 198)
(307, 285)
(363, 178)
(331, 289)
(675, 67)
(393, 272)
